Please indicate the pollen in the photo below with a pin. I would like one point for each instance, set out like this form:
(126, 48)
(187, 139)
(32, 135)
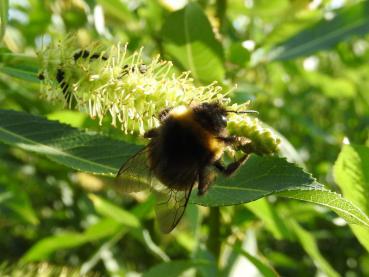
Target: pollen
(179, 111)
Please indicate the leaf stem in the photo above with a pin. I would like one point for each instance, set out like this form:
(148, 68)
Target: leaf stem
(213, 242)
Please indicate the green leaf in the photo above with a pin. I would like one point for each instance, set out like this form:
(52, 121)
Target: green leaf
(13, 196)
(310, 245)
(117, 9)
(20, 72)
(351, 172)
(4, 5)
(264, 268)
(63, 144)
(19, 65)
(110, 210)
(237, 54)
(72, 118)
(42, 249)
(343, 207)
(265, 8)
(189, 39)
(346, 23)
(335, 87)
(270, 217)
(20, 204)
(301, 18)
(173, 268)
(140, 211)
(259, 177)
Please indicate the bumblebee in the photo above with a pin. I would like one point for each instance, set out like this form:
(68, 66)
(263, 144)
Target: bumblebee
(183, 151)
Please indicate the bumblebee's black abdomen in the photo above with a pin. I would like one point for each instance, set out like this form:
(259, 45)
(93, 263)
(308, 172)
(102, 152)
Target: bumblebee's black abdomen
(179, 153)
(182, 142)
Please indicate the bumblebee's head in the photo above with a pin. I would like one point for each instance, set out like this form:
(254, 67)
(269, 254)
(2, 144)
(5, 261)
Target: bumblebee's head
(211, 116)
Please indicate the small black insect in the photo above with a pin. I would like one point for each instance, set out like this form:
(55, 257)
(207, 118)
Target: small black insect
(183, 151)
(142, 68)
(85, 54)
(41, 76)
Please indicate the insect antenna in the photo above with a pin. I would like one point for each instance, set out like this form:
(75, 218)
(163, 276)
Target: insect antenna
(247, 111)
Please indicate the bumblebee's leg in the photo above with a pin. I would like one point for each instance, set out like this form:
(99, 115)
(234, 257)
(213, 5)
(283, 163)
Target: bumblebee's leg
(228, 140)
(240, 143)
(205, 179)
(237, 141)
(232, 167)
(152, 133)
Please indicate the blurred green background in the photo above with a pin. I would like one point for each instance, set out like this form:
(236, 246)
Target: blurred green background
(303, 64)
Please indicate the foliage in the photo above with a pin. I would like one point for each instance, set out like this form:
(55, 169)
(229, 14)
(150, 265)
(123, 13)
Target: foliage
(303, 65)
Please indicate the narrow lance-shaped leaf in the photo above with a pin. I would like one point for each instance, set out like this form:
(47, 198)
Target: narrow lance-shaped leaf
(351, 173)
(326, 33)
(109, 210)
(4, 5)
(43, 248)
(343, 207)
(264, 268)
(21, 66)
(63, 144)
(310, 245)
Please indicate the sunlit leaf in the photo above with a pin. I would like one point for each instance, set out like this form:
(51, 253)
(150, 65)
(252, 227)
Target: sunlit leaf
(42, 249)
(348, 22)
(269, 8)
(4, 5)
(343, 207)
(351, 172)
(264, 268)
(72, 118)
(189, 39)
(107, 209)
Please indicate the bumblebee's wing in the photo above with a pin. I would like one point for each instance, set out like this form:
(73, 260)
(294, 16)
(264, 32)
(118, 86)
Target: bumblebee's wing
(170, 206)
(135, 174)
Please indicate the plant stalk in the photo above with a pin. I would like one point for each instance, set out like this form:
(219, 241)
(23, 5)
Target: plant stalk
(221, 7)
(213, 243)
